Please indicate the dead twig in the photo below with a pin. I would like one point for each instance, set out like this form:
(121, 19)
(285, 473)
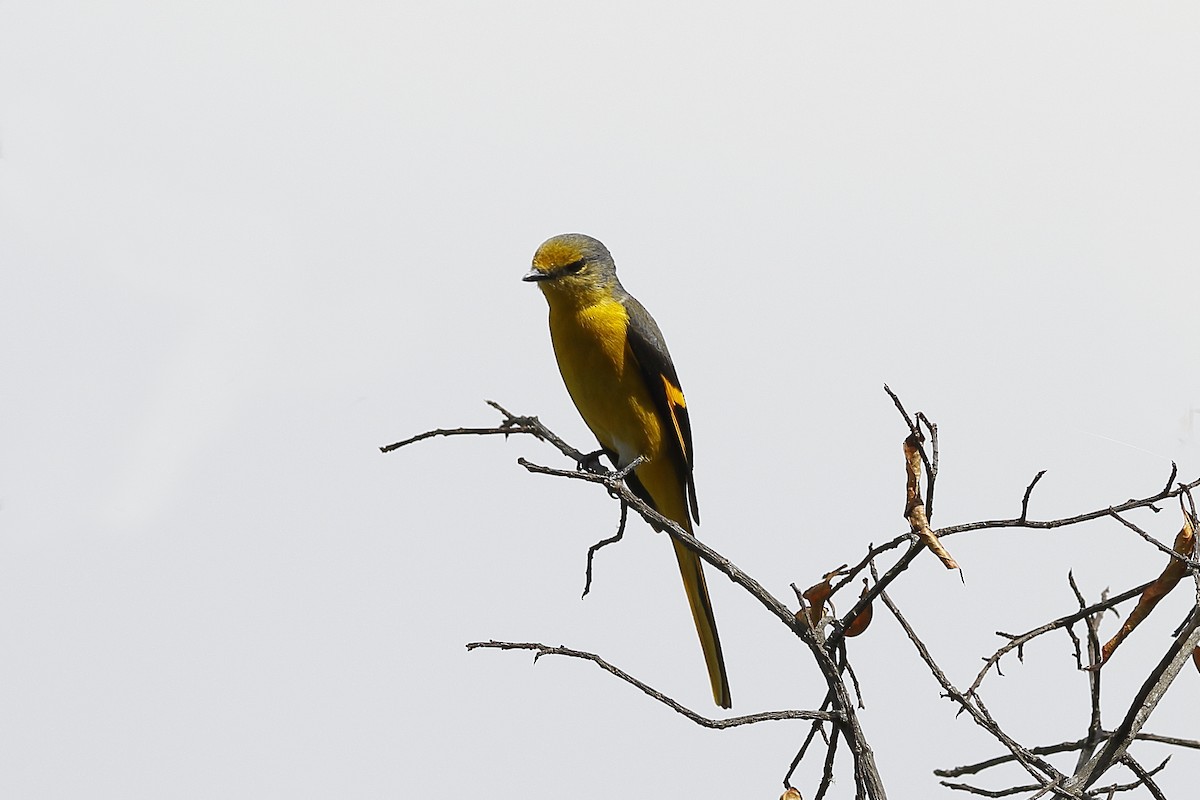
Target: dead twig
(1015, 642)
(540, 650)
(616, 537)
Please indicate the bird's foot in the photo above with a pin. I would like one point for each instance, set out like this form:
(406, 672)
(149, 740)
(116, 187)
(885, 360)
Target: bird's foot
(591, 463)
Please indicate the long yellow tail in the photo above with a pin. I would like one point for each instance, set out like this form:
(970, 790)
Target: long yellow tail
(706, 624)
(661, 481)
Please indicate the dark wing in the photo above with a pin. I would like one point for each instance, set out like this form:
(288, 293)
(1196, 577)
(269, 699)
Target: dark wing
(654, 362)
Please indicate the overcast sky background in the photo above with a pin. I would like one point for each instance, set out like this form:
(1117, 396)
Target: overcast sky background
(245, 244)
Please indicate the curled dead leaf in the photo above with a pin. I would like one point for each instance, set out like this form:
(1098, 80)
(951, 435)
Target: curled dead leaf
(1185, 542)
(863, 619)
(914, 507)
(817, 594)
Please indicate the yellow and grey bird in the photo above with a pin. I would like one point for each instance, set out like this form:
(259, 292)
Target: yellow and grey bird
(615, 364)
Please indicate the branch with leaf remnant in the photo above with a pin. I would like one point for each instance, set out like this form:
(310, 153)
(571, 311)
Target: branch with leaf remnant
(824, 633)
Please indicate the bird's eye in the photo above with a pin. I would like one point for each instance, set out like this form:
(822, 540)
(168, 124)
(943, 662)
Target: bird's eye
(573, 267)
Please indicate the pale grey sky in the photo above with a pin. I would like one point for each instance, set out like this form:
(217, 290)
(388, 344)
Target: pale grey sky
(244, 244)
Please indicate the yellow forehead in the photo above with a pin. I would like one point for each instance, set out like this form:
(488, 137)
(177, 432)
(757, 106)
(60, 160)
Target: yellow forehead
(555, 253)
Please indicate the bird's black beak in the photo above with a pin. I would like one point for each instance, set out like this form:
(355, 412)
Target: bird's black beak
(536, 275)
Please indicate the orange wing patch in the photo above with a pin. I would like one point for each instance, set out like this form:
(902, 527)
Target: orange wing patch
(675, 400)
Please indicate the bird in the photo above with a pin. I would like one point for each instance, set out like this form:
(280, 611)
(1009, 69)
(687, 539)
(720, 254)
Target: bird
(615, 364)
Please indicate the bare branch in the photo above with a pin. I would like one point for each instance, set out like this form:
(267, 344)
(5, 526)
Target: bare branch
(616, 537)
(540, 650)
(1171, 740)
(827, 771)
(1169, 551)
(1017, 522)
(1095, 729)
(1028, 491)
(912, 426)
(1052, 749)
(1171, 478)
(1009, 792)
(816, 727)
(512, 424)
(1017, 641)
(1146, 777)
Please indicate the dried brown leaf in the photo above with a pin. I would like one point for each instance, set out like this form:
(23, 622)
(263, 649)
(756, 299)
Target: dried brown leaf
(817, 594)
(914, 508)
(1185, 542)
(863, 619)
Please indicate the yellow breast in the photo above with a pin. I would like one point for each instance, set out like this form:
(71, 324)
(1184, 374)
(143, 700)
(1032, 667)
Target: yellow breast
(604, 379)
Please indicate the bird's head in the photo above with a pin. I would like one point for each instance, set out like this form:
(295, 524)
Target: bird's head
(573, 266)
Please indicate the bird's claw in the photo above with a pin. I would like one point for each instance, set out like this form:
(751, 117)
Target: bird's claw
(591, 463)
